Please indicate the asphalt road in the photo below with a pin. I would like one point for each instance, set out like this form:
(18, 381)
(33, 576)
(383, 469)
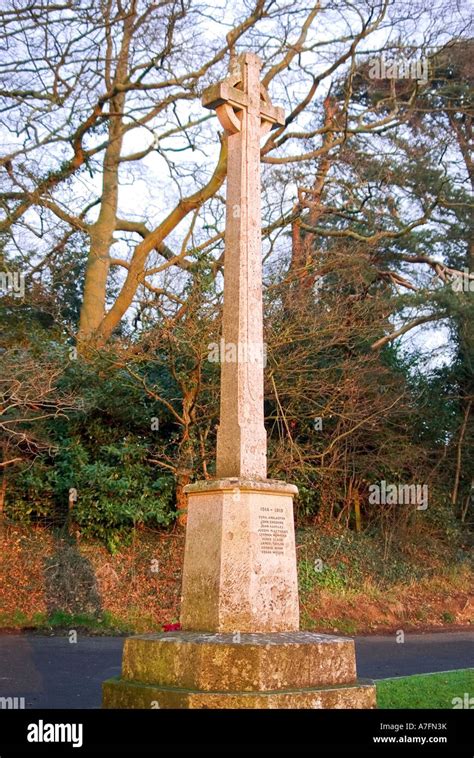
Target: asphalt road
(51, 672)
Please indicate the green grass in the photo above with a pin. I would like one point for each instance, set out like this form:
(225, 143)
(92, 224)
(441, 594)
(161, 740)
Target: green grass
(104, 623)
(327, 577)
(340, 625)
(426, 690)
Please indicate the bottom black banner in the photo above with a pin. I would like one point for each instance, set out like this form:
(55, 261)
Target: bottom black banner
(325, 733)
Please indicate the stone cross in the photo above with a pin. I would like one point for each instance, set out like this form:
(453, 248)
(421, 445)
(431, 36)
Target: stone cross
(244, 110)
(239, 571)
(239, 646)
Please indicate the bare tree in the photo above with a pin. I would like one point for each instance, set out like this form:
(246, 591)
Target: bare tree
(97, 96)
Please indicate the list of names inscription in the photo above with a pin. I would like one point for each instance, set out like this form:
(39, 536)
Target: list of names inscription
(272, 530)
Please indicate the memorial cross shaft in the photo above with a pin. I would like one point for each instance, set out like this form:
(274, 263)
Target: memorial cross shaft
(244, 110)
(240, 559)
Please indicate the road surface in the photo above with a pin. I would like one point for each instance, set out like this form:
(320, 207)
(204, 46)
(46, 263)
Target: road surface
(51, 672)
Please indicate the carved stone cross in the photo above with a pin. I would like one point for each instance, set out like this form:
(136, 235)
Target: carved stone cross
(244, 110)
(240, 557)
(239, 646)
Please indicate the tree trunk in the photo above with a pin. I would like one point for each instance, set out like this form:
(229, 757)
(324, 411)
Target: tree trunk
(101, 233)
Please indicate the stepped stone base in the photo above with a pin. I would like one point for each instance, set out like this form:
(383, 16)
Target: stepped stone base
(194, 670)
(121, 694)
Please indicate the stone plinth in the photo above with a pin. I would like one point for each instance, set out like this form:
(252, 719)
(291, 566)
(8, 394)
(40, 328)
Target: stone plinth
(192, 670)
(240, 560)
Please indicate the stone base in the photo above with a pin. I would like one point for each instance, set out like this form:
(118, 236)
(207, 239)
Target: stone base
(120, 694)
(193, 670)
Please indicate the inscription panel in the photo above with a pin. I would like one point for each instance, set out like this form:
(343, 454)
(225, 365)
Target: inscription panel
(272, 530)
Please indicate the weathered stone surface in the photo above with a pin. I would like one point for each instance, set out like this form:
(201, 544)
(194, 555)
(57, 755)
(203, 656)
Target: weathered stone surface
(229, 484)
(240, 559)
(192, 670)
(245, 662)
(241, 436)
(127, 694)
